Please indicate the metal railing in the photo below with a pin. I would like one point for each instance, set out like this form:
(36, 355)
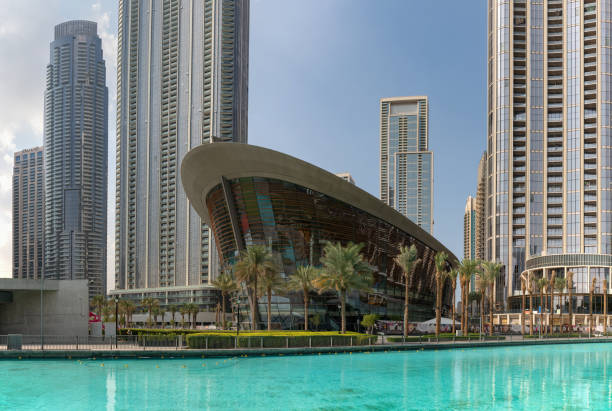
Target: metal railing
(67, 343)
(157, 342)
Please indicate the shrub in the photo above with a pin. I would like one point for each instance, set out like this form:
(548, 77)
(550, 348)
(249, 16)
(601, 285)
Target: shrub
(277, 339)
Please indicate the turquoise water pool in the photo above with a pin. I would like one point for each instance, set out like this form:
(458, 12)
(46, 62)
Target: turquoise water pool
(529, 377)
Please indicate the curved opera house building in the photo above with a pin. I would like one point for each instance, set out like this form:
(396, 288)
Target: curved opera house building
(252, 195)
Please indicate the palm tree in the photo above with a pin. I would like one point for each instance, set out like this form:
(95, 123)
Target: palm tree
(541, 283)
(592, 290)
(490, 270)
(559, 287)
(108, 310)
(150, 304)
(227, 285)
(467, 269)
(441, 265)
(268, 283)
(569, 276)
(157, 311)
(303, 280)
(172, 309)
(474, 296)
(407, 260)
(98, 302)
(252, 265)
(551, 289)
(452, 275)
(343, 271)
(184, 310)
(127, 308)
(605, 305)
(523, 289)
(531, 286)
(192, 310)
(483, 285)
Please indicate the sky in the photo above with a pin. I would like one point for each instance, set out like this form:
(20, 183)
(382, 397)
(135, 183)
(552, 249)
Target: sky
(317, 70)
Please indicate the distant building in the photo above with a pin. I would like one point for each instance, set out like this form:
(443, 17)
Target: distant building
(182, 82)
(481, 196)
(76, 157)
(346, 177)
(469, 229)
(406, 164)
(28, 213)
(469, 235)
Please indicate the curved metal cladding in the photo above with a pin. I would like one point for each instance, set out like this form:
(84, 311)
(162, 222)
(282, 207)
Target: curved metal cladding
(251, 195)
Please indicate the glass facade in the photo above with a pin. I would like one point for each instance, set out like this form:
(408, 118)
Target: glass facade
(76, 157)
(548, 141)
(406, 164)
(182, 82)
(295, 222)
(28, 213)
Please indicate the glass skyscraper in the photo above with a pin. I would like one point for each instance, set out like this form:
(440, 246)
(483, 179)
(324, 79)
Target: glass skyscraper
(181, 82)
(75, 155)
(549, 142)
(28, 213)
(406, 165)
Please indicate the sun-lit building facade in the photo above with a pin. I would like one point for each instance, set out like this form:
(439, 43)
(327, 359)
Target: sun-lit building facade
(549, 142)
(182, 81)
(406, 164)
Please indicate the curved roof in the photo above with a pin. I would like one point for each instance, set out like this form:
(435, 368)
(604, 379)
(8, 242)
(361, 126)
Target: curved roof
(204, 166)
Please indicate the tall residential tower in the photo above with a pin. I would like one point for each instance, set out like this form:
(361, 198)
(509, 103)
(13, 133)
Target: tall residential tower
(469, 229)
(549, 205)
(76, 152)
(181, 82)
(406, 165)
(28, 213)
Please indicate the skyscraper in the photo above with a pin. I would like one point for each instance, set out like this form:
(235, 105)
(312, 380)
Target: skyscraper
(76, 152)
(469, 229)
(28, 213)
(181, 82)
(481, 198)
(549, 205)
(406, 165)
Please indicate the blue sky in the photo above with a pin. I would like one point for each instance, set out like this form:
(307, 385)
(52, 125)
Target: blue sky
(317, 71)
(319, 68)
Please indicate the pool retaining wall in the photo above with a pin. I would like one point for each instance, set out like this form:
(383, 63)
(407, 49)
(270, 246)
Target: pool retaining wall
(255, 352)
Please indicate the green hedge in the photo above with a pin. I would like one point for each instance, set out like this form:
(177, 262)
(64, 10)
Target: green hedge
(157, 331)
(557, 335)
(277, 339)
(432, 338)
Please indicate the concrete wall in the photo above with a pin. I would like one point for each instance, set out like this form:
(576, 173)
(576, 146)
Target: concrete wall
(66, 310)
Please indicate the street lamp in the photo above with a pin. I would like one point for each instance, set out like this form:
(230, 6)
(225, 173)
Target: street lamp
(116, 320)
